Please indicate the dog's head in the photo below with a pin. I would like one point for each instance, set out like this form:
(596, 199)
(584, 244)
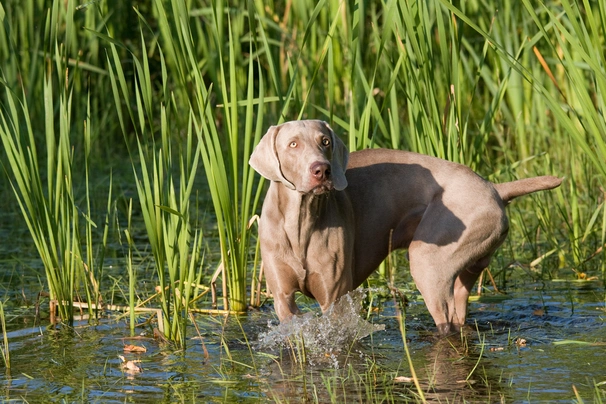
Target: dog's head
(305, 156)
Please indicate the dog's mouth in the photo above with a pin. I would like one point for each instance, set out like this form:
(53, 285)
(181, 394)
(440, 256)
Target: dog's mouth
(320, 178)
(323, 188)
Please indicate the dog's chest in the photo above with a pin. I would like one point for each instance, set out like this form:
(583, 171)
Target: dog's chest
(317, 234)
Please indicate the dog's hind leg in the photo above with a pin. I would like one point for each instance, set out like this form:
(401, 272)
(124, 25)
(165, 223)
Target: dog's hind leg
(434, 279)
(464, 284)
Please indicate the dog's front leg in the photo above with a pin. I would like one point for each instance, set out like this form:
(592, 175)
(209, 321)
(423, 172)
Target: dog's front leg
(283, 285)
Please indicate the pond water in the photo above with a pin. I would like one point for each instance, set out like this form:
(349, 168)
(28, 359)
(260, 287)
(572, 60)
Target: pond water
(541, 342)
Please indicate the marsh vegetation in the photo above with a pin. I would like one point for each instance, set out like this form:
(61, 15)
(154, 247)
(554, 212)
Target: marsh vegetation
(127, 199)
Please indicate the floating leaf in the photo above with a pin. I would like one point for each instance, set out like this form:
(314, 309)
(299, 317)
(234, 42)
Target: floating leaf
(135, 348)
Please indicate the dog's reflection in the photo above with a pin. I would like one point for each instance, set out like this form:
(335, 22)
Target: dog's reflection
(448, 370)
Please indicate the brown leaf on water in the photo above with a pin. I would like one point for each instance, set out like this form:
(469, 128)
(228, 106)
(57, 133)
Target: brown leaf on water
(538, 312)
(135, 348)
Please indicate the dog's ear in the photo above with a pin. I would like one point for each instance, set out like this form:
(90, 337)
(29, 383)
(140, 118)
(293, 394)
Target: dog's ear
(340, 157)
(264, 158)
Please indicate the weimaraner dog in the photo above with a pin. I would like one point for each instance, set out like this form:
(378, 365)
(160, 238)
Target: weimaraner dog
(324, 230)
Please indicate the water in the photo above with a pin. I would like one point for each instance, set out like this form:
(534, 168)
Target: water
(83, 363)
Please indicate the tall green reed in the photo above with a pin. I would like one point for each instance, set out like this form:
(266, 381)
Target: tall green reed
(165, 182)
(132, 274)
(165, 203)
(224, 148)
(395, 74)
(47, 198)
(50, 141)
(563, 67)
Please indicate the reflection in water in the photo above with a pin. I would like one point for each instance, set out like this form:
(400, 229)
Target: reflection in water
(451, 374)
(447, 374)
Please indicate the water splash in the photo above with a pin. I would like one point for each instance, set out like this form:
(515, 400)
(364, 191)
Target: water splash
(325, 335)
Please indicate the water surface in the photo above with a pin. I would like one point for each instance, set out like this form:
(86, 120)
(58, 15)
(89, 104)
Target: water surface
(487, 365)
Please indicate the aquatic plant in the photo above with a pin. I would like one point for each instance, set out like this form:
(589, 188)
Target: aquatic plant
(47, 196)
(573, 95)
(165, 189)
(225, 149)
(4, 349)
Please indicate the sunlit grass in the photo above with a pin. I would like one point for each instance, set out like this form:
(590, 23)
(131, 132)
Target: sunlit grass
(165, 185)
(225, 150)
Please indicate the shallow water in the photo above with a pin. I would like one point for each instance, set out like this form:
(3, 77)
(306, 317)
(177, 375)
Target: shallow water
(83, 364)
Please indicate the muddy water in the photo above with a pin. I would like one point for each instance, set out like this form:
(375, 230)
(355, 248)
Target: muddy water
(540, 343)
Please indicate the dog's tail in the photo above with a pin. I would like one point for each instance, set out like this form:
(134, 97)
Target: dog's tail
(509, 190)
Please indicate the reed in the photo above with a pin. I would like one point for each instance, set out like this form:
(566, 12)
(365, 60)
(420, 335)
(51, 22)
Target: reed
(132, 274)
(562, 78)
(47, 197)
(224, 149)
(165, 182)
(165, 203)
(4, 349)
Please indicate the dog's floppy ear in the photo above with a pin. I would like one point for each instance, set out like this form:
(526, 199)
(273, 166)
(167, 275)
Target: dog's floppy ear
(264, 158)
(340, 157)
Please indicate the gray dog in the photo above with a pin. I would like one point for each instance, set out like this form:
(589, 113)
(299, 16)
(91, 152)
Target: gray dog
(324, 230)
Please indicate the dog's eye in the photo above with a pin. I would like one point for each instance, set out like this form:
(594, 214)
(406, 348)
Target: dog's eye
(325, 141)
(293, 144)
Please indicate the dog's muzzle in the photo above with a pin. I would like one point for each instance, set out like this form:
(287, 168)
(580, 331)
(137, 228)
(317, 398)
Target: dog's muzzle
(320, 175)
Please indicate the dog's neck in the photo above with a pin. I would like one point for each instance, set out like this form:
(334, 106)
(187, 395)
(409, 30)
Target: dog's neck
(302, 215)
(301, 211)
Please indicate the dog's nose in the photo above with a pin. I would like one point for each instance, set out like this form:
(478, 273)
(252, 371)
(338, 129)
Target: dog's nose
(320, 171)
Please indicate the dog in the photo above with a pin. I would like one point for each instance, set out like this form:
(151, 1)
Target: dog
(330, 218)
